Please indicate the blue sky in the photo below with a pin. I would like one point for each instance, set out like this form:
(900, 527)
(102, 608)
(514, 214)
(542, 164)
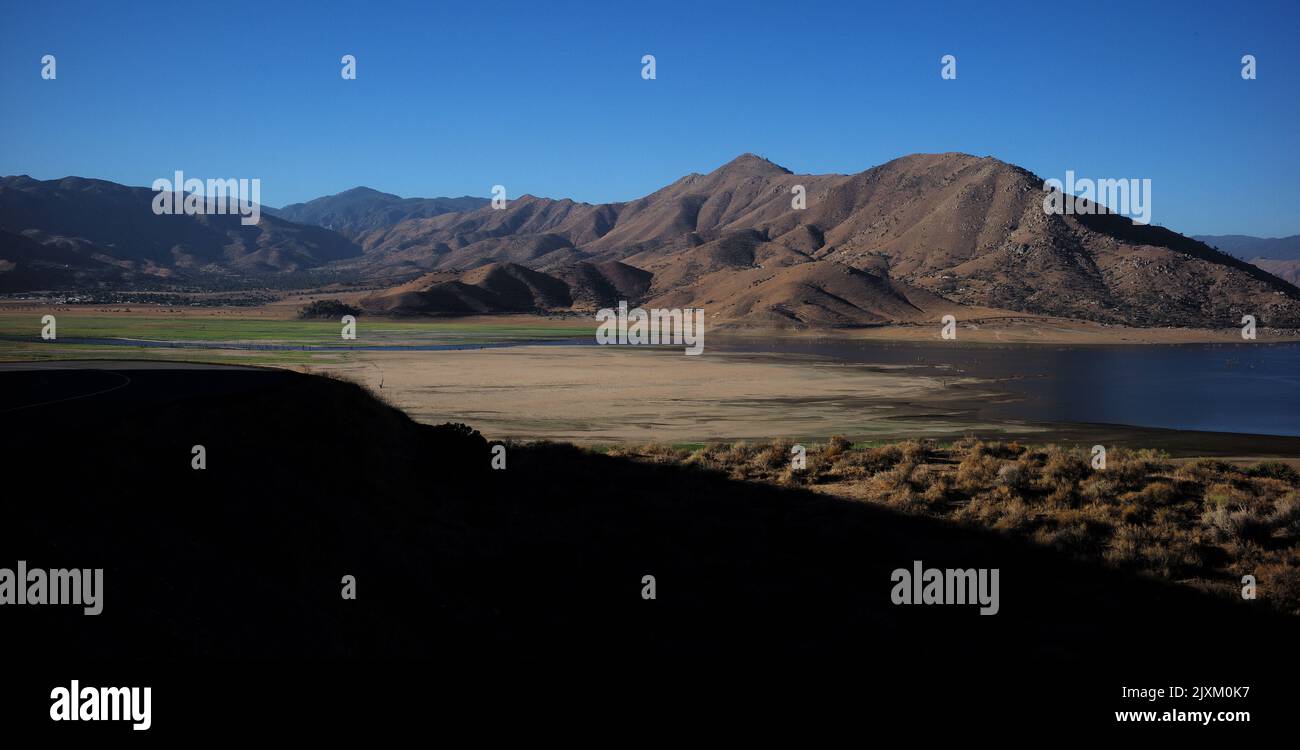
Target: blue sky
(547, 98)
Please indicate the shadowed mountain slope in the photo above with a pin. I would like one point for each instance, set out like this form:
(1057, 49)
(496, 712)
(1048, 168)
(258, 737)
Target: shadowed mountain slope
(510, 287)
(114, 225)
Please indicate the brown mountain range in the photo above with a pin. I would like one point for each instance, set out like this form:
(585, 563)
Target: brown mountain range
(909, 240)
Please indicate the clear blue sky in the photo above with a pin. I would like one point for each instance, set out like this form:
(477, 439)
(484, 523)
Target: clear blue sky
(547, 97)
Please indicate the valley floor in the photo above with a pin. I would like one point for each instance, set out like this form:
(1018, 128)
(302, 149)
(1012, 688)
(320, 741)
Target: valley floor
(604, 395)
(23, 314)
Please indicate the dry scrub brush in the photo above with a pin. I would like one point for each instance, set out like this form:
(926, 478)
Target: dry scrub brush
(1205, 522)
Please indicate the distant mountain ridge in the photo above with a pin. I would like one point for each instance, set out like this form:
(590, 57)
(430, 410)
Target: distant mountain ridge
(362, 209)
(920, 235)
(94, 232)
(1288, 270)
(1247, 247)
(1279, 256)
(907, 241)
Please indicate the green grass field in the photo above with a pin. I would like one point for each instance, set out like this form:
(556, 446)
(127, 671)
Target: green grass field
(20, 336)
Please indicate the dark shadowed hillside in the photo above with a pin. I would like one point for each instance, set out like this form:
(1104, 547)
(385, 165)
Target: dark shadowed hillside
(227, 581)
(510, 287)
(309, 479)
(108, 232)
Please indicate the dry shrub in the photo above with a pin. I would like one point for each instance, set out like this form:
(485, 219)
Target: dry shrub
(777, 455)
(1098, 489)
(940, 492)
(1286, 516)
(996, 510)
(897, 487)
(1275, 470)
(1136, 468)
(1131, 509)
(917, 451)
(791, 477)
(706, 457)
(1062, 497)
(1007, 451)
(652, 452)
(1236, 522)
(1205, 470)
(976, 471)
(1127, 545)
(1075, 539)
(1015, 515)
(1279, 583)
(837, 445)
(1063, 468)
(738, 453)
(1202, 522)
(863, 463)
(1014, 476)
(1220, 495)
(1157, 493)
(896, 478)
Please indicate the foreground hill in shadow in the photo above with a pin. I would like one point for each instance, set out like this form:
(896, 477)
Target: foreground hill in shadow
(309, 480)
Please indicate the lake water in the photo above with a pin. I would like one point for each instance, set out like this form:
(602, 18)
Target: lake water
(1248, 388)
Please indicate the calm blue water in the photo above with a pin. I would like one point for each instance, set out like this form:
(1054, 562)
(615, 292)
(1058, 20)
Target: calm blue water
(1251, 388)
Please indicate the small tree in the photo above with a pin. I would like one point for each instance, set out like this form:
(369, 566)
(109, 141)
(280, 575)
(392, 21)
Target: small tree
(327, 308)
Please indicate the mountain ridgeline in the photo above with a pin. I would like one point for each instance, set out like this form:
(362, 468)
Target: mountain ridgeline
(77, 233)
(362, 209)
(907, 241)
(1279, 256)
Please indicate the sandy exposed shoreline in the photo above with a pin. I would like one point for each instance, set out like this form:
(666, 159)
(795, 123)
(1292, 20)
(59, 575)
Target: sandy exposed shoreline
(596, 395)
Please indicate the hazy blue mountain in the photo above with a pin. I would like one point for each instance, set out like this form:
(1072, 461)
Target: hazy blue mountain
(1248, 248)
(362, 209)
